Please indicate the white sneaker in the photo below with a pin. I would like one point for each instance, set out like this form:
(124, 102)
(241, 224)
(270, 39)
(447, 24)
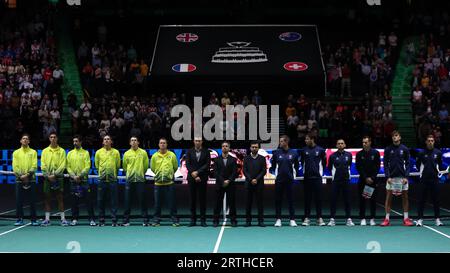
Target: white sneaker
(92, 223)
(320, 222)
(438, 222)
(306, 222)
(363, 222)
(332, 223)
(292, 223)
(350, 222)
(419, 223)
(278, 223)
(74, 223)
(372, 222)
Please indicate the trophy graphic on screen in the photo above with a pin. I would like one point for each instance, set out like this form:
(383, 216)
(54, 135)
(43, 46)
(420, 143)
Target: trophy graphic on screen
(239, 52)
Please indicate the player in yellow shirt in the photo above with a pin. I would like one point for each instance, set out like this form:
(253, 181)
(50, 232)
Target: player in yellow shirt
(24, 166)
(135, 164)
(53, 165)
(78, 167)
(164, 164)
(107, 162)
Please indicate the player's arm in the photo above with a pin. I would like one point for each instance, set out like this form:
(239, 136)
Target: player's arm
(386, 160)
(61, 164)
(359, 167)
(15, 165)
(145, 162)
(44, 166)
(324, 160)
(407, 162)
(97, 161)
(86, 164)
(125, 163)
(174, 163)
(117, 161)
(70, 170)
(377, 164)
(297, 165)
(153, 163)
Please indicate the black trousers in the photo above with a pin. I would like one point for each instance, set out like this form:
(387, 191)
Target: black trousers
(258, 192)
(426, 186)
(280, 188)
(198, 191)
(313, 186)
(362, 201)
(88, 198)
(140, 191)
(338, 186)
(230, 190)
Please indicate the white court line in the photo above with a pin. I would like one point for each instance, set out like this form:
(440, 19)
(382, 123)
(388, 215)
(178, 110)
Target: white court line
(219, 238)
(430, 228)
(17, 228)
(14, 229)
(222, 229)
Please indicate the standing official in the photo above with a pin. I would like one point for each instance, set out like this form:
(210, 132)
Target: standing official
(254, 171)
(198, 161)
(225, 174)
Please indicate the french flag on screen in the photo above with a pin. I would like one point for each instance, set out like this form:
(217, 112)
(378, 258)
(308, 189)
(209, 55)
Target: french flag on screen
(184, 67)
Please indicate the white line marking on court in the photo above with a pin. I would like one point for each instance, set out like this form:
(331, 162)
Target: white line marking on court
(17, 228)
(430, 228)
(219, 238)
(14, 229)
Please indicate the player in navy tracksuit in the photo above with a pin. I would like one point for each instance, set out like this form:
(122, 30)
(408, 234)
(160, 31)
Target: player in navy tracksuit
(429, 163)
(287, 161)
(339, 164)
(314, 161)
(396, 168)
(368, 165)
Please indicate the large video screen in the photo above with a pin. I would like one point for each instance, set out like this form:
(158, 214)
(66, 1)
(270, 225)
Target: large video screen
(288, 50)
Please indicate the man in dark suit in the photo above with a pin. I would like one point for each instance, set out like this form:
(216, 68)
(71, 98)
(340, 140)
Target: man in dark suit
(225, 173)
(254, 170)
(198, 160)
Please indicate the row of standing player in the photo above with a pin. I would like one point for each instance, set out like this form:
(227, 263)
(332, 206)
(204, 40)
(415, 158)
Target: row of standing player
(312, 158)
(396, 167)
